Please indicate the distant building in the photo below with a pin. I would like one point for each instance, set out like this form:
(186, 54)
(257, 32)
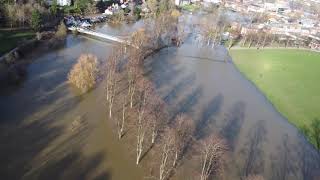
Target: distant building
(64, 2)
(248, 30)
(255, 8)
(60, 2)
(213, 1)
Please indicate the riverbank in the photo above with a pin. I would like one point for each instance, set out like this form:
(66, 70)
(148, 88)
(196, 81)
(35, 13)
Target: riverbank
(13, 64)
(288, 78)
(10, 38)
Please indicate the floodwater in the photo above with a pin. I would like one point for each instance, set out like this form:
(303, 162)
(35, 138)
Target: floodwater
(48, 131)
(205, 84)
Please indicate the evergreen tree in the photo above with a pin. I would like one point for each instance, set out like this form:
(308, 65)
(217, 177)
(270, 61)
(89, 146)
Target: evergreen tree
(54, 8)
(36, 20)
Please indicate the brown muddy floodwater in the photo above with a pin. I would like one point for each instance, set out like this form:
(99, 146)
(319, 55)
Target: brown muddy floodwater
(48, 131)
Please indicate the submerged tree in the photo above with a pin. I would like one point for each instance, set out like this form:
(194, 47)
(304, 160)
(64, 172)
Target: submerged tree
(121, 119)
(142, 126)
(158, 116)
(166, 153)
(113, 75)
(213, 149)
(133, 73)
(184, 130)
(143, 123)
(84, 74)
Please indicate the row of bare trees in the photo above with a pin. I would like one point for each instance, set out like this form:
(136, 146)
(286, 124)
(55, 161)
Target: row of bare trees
(213, 27)
(135, 107)
(263, 39)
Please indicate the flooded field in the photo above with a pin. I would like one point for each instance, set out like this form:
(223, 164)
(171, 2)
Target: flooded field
(49, 131)
(204, 83)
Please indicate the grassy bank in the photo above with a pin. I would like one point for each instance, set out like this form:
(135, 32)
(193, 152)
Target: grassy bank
(288, 78)
(10, 39)
(190, 7)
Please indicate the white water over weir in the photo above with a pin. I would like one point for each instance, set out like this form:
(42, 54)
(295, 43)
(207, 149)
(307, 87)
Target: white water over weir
(99, 35)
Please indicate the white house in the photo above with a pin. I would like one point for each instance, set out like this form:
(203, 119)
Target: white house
(64, 2)
(60, 2)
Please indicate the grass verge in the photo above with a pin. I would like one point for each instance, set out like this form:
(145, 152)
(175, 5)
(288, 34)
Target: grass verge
(11, 39)
(289, 79)
(190, 7)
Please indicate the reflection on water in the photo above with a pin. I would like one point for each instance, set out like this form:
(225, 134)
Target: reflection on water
(48, 131)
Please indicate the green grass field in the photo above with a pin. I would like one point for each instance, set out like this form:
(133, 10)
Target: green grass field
(288, 77)
(10, 39)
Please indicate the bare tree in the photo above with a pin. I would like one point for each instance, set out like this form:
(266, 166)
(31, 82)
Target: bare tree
(139, 39)
(142, 126)
(158, 118)
(121, 121)
(209, 34)
(163, 28)
(183, 135)
(143, 113)
(213, 149)
(112, 75)
(234, 36)
(133, 73)
(166, 153)
(111, 81)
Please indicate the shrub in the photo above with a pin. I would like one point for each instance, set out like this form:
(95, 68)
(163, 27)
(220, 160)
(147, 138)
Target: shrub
(118, 16)
(62, 31)
(84, 73)
(137, 12)
(175, 13)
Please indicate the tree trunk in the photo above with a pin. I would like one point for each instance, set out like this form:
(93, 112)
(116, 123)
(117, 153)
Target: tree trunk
(107, 89)
(110, 110)
(140, 140)
(203, 177)
(175, 159)
(264, 41)
(153, 137)
(131, 96)
(245, 40)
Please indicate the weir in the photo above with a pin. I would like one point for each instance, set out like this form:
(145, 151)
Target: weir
(98, 34)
